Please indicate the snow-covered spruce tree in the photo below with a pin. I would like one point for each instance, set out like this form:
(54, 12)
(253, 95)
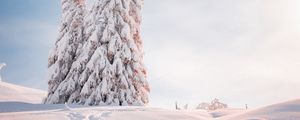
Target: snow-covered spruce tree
(112, 57)
(109, 68)
(64, 53)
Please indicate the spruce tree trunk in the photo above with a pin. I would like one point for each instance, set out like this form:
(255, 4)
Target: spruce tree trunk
(106, 67)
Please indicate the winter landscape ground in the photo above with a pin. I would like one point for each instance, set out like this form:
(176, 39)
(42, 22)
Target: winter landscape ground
(21, 103)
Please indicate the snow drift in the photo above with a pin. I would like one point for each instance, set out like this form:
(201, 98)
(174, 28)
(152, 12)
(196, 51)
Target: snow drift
(11, 92)
(282, 111)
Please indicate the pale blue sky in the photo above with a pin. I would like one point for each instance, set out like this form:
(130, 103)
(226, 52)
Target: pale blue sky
(195, 50)
(28, 29)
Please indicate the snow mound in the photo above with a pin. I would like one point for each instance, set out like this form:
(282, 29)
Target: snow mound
(283, 111)
(11, 92)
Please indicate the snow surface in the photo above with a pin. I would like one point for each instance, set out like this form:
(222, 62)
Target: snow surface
(17, 103)
(282, 111)
(106, 113)
(11, 92)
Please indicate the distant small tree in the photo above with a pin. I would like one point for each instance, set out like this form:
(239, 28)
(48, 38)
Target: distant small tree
(216, 104)
(213, 105)
(186, 106)
(204, 106)
(1, 66)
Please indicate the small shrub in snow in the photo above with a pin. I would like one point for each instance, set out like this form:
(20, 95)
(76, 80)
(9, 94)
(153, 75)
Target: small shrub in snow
(213, 105)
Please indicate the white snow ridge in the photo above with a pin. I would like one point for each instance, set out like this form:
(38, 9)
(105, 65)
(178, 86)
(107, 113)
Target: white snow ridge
(15, 93)
(98, 56)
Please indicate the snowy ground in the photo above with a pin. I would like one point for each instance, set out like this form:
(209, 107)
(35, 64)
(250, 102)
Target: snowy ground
(14, 106)
(11, 92)
(282, 111)
(60, 112)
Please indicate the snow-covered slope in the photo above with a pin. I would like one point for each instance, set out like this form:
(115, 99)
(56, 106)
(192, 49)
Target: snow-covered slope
(16, 104)
(11, 92)
(283, 111)
(107, 113)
